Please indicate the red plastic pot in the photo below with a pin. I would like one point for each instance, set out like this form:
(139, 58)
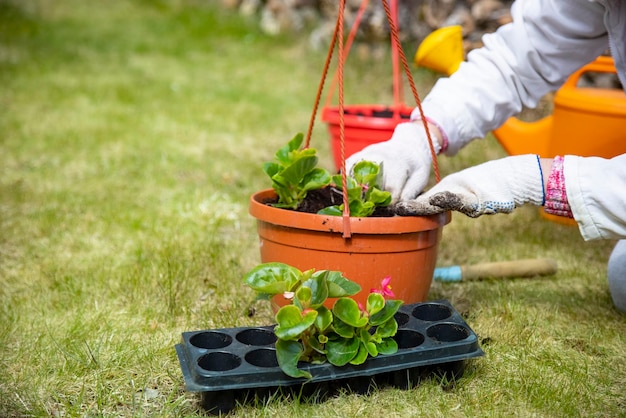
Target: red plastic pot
(363, 125)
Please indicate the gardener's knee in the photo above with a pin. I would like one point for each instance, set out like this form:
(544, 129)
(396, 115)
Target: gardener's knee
(617, 275)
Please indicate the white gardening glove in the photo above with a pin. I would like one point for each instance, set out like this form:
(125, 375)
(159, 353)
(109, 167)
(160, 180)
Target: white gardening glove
(405, 160)
(497, 186)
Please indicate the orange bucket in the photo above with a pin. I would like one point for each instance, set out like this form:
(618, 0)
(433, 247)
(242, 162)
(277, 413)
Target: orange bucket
(589, 121)
(586, 121)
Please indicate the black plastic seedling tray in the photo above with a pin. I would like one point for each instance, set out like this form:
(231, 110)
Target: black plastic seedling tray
(230, 363)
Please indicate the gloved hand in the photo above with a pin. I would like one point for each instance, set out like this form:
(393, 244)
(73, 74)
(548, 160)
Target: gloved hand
(405, 160)
(497, 186)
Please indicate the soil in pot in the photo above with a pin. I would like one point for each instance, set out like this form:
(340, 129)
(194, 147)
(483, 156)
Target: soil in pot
(329, 196)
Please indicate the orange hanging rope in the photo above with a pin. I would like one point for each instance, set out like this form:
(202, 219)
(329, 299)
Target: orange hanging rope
(344, 183)
(337, 40)
(320, 87)
(396, 39)
(398, 99)
(349, 41)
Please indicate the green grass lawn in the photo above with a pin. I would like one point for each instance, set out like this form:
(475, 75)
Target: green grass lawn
(132, 133)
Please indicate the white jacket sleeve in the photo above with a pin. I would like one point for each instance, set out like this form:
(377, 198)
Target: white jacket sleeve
(521, 62)
(596, 191)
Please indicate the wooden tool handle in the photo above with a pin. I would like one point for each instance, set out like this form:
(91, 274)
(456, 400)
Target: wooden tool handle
(517, 268)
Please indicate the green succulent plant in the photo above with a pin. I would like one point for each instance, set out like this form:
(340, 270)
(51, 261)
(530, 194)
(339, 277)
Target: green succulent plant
(294, 173)
(364, 192)
(309, 331)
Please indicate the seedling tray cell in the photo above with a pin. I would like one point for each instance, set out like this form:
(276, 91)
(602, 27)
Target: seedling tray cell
(221, 362)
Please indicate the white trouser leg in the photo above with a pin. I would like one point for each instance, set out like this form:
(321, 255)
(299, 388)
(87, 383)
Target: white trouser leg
(617, 275)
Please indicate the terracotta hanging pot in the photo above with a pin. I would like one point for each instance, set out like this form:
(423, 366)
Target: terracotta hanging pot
(404, 248)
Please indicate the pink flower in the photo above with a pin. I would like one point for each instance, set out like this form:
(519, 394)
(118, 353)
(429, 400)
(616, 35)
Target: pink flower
(288, 295)
(385, 288)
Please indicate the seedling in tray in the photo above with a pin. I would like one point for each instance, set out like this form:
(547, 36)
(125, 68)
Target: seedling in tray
(308, 331)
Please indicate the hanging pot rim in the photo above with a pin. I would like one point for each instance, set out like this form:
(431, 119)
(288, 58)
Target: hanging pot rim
(370, 225)
(360, 115)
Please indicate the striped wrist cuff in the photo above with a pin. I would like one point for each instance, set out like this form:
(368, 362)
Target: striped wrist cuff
(556, 197)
